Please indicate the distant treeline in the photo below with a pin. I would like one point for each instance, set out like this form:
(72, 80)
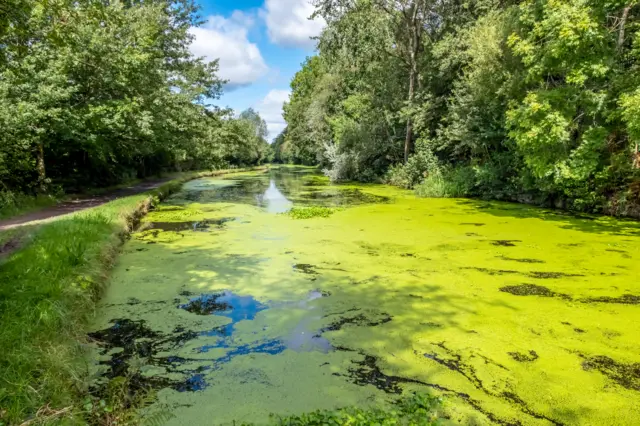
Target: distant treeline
(93, 93)
(533, 100)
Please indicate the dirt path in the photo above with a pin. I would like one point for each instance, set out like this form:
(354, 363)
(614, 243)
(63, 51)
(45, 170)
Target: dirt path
(79, 204)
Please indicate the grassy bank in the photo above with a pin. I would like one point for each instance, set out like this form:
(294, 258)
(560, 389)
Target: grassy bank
(49, 287)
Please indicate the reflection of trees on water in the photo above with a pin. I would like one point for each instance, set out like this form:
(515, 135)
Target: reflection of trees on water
(278, 190)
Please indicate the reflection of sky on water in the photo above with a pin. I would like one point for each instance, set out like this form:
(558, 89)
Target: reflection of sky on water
(274, 200)
(238, 308)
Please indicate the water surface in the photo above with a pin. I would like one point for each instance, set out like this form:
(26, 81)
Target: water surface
(232, 309)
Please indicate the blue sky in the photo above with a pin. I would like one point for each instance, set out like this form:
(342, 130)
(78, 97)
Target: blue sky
(260, 45)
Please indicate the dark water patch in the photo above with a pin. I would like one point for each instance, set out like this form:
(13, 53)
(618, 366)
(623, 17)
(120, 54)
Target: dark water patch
(454, 362)
(623, 253)
(532, 290)
(521, 260)
(616, 250)
(520, 357)
(124, 333)
(132, 301)
(226, 304)
(505, 243)
(142, 249)
(359, 320)
(333, 269)
(341, 197)
(367, 372)
(579, 330)
(201, 225)
(186, 293)
(206, 304)
(370, 249)
(625, 375)
(532, 274)
(490, 271)
(245, 190)
(270, 346)
(570, 244)
(472, 234)
(472, 224)
(134, 339)
(626, 299)
(305, 268)
(551, 275)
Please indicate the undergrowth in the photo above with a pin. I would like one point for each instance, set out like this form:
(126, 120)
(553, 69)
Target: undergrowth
(49, 287)
(417, 410)
(13, 204)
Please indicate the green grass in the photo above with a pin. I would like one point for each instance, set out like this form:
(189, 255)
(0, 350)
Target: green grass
(49, 288)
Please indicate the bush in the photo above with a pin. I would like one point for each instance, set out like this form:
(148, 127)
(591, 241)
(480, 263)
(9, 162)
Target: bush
(449, 183)
(344, 165)
(420, 166)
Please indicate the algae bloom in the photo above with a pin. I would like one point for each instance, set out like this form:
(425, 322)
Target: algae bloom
(512, 314)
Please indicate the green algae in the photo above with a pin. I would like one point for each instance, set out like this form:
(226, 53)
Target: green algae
(309, 212)
(388, 295)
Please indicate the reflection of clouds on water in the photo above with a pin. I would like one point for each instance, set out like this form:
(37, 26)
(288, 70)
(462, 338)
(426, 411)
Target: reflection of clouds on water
(303, 339)
(274, 200)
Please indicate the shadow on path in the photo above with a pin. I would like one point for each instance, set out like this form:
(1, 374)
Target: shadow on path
(80, 204)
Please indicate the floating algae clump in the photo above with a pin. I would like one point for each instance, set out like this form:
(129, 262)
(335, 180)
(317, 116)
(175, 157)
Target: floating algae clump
(309, 212)
(531, 290)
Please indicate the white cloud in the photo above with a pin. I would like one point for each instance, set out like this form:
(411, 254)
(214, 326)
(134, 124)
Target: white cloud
(288, 22)
(270, 109)
(226, 38)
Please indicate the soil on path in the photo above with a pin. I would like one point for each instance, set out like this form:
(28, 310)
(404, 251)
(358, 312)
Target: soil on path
(80, 203)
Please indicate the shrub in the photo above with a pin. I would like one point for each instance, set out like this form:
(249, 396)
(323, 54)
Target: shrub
(449, 183)
(420, 166)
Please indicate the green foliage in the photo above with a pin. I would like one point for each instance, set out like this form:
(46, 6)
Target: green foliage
(421, 165)
(12, 203)
(120, 406)
(534, 101)
(309, 212)
(96, 93)
(418, 410)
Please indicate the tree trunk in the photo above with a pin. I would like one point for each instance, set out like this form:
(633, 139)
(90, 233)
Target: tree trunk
(42, 173)
(408, 142)
(623, 22)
